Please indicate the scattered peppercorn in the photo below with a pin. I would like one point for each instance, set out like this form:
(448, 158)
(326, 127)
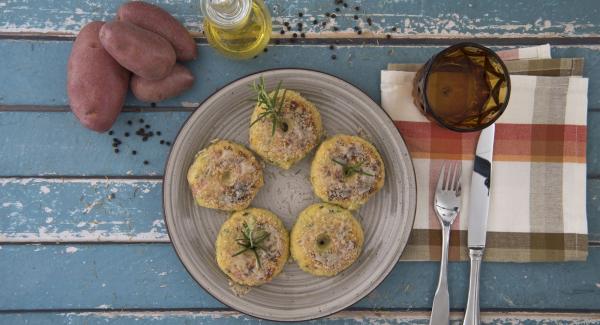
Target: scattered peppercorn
(335, 29)
(357, 8)
(345, 5)
(116, 150)
(369, 21)
(333, 57)
(333, 16)
(282, 32)
(147, 126)
(129, 122)
(126, 134)
(300, 14)
(356, 28)
(145, 138)
(359, 32)
(286, 24)
(388, 36)
(331, 47)
(303, 35)
(111, 196)
(295, 35)
(355, 17)
(337, 9)
(110, 132)
(115, 145)
(338, 2)
(315, 22)
(324, 23)
(152, 104)
(289, 28)
(146, 162)
(299, 26)
(134, 152)
(141, 120)
(168, 143)
(327, 14)
(162, 141)
(394, 29)
(266, 50)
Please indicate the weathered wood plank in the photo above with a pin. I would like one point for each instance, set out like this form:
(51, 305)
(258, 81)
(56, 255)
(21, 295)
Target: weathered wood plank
(231, 317)
(79, 210)
(34, 72)
(55, 210)
(413, 18)
(43, 143)
(147, 276)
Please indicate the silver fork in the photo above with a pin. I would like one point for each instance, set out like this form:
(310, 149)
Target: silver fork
(446, 204)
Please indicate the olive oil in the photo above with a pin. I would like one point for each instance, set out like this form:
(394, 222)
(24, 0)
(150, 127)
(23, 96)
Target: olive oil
(238, 29)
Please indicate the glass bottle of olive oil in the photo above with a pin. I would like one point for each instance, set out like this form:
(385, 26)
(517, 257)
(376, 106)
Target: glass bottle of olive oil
(238, 29)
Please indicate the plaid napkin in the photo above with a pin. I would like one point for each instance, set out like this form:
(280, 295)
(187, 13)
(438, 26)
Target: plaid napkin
(538, 202)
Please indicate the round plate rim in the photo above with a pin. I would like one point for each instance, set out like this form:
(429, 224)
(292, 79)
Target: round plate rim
(412, 187)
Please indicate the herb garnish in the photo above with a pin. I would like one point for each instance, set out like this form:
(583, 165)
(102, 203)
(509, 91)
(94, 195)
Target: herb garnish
(351, 169)
(251, 241)
(272, 107)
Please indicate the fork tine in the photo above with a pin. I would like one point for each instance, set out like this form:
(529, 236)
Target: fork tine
(440, 183)
(458, 175)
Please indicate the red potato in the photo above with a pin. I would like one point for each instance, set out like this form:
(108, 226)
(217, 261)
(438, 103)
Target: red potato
(157, 20)
(180, 80)
(96, 83)
(140, 51)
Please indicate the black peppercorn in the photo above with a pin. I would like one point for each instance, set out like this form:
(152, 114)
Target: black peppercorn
(162, 141)
(369, 21)
(147, 126)
(299, 26)
(168, 143)
(355, 17)
(146, 162)
(265, 49)
(337, 9)
(303, 35)
(110, 132)
(300, 14)
(357, 8)
(345, 5)
(388, 36)
(394, 29)
(295, 35)
(129, 122)
(289, 28)
(324, 23)
(141, 120)
(282, 32)
(315, 22)
(116, 150)
(333, 57)
(333, 15)
(152, 104)
(327, 14)
(134, 152)
(359, 32)
(112, 196)
(115, 145)
(335, 29)
(331, 47)
(286, 24)
(145, 138)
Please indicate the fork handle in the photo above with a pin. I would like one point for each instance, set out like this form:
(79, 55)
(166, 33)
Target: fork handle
(440, 311)
(472, 312)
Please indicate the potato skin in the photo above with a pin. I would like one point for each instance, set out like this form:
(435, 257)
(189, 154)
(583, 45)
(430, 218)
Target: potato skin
(96, 83)
(179, 80)
(140, 51)
(157, 20)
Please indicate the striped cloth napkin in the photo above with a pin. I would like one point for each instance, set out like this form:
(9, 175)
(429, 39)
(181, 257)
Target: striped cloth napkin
(538, 193)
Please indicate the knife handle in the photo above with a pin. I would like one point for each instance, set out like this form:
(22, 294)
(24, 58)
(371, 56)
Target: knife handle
(472, 312)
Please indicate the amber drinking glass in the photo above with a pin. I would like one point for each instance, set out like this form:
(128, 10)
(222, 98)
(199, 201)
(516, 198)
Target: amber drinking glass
(465, 87)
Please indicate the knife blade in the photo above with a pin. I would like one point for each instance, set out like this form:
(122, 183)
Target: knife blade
(479, 205)
(479, 200)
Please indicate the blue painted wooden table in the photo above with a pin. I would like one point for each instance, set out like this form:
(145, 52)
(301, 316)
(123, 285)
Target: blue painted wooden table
(82, 237)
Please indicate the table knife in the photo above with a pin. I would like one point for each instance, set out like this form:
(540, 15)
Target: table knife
(479, 204)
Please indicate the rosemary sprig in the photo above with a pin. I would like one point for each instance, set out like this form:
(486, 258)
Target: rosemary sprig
(272, 107)
(251, 241)
(351, 169)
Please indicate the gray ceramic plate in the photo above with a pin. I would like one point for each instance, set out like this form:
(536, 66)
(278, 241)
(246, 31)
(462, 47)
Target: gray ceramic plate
(387, 218)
